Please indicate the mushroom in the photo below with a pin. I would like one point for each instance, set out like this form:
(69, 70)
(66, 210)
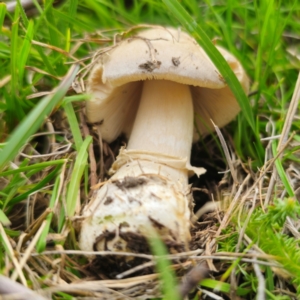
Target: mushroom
(151, 86)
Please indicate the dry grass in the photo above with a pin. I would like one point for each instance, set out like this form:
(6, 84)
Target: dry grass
(231, 199)
(222, 247)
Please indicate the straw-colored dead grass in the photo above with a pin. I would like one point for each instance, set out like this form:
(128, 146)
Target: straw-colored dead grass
(62, 269)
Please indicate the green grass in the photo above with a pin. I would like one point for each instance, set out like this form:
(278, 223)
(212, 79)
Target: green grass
(38, 54)
(163, 267)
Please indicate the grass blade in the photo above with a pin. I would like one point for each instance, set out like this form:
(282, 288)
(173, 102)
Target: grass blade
(79, 167)
(222, 286)
(14, 109)
(38, 186)
(41, 244)
(38, 166)
(73, 22)
(35, 118)
(73, 8)
(22, 13)
(163, 266)
(2, 14)
(25, 50)
(3, 218)
(53, 34)
(282, 173)
(73, 124)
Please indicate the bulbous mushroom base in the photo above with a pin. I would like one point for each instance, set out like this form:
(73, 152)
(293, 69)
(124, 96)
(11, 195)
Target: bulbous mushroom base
(125, 212)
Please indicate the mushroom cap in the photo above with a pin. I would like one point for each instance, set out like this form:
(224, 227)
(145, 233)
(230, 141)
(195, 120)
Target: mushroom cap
(159, 53)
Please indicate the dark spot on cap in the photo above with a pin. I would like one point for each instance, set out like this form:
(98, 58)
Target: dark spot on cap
(176, 61)
(150, 65)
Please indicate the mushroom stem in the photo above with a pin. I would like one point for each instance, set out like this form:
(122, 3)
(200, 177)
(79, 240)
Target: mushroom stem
(164, 122)
(150, 184)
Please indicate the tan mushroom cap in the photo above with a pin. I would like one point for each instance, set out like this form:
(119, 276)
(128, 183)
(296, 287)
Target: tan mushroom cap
(159, 54)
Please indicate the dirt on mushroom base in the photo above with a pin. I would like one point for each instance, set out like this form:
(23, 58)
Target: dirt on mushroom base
(202, 232)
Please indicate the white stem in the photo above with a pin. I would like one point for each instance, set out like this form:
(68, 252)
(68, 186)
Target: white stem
(150, 185)
(164, 122)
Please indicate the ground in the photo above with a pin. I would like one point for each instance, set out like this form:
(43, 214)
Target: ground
(245, 238)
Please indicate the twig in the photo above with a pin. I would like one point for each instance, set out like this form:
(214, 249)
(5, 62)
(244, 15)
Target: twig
(147, 265)
(192, 278)
(12, 256)
(59, 50)
(271, 138)
(85, 288)
(243, 229)
(270, 188)
(10, 289)
(267, 168)
(26, 4)
(51, 132)
(5, 80)
(208, 206)
(290, 115)
(232, 206)
(211, 294)
(227, 154)
(261, 283)
(66, 149)
(101, 154)
(29, 249)
(135, 269)
(93, 164)
(146, 256)
(268, 155)
(34, 227)
(98, 285)
(237, 249)
(217, 256)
